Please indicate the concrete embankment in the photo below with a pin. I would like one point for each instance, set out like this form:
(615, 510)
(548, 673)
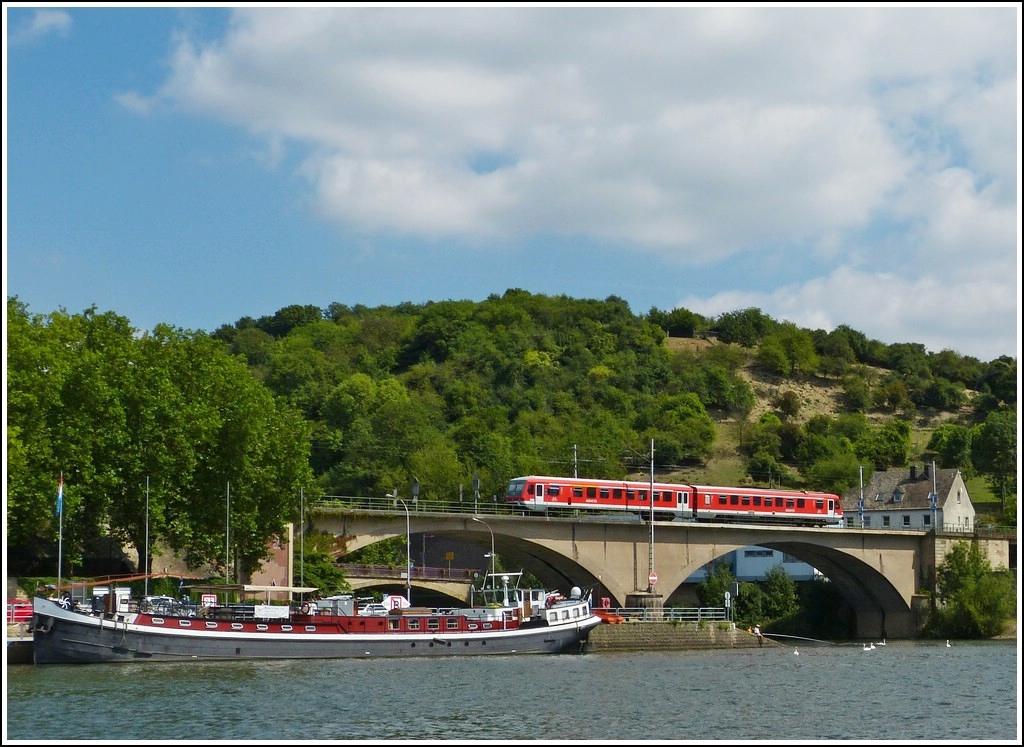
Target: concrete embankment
(661, 636)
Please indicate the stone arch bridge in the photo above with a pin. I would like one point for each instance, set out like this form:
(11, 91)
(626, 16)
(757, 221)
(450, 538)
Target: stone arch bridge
(881, 574)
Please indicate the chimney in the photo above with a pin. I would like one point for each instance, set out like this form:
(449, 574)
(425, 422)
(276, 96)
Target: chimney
(913, 472)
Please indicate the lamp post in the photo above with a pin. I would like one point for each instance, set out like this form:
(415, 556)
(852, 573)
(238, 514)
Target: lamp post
(408, 549)
(492, 543)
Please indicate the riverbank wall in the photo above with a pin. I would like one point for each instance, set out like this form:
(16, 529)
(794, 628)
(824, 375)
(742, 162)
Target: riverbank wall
(668, 636)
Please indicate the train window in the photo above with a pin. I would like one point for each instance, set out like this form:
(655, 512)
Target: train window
(630, 494)
(789, 503)
(591, 492)
(681, 497)
(757, 500)
(605, 492)
(722, 500)
(745, 500)
(799, 502)
(577, 492)
(819, 504)
(554, 489)
(734, 500)
(642, 495)
(768, 501)
(617, 494)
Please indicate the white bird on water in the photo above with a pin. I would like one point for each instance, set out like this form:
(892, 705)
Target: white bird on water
(947, 644)
(795, 651)
(882, 643)
(867, 647)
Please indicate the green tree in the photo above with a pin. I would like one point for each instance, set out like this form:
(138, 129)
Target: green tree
(711, 591)
(116, 411)
(952, 443)
(779, 592)
(974, 601)
(994, 452)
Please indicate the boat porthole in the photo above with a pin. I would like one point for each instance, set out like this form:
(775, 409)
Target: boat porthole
(431, 644)
(466, 643)
(412, 645)
(449, 644)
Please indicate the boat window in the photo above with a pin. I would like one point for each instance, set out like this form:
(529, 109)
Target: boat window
(185, 623)
(393, 623)
(414, 624)
(565, 614)
(261, 626)
(236, 626)
(311, 628)
(433, 624)
(452, 623)
(211, 624)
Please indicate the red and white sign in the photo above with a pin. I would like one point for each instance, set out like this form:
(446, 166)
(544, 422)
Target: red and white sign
(652, 578)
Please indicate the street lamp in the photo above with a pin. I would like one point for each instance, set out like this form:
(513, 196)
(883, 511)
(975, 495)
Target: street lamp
(408, 549)
(492, 544)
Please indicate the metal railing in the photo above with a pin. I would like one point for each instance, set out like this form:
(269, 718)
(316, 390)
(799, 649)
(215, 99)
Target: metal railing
(668, 614)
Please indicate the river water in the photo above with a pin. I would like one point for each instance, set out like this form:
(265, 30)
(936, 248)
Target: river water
(902, 691)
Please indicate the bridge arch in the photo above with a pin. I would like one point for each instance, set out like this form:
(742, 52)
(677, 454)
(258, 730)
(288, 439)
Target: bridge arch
(877, 573)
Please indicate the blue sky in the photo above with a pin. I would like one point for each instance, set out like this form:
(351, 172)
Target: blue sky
(827, 165)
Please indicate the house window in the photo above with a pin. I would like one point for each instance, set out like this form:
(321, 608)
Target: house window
(885, 521)
(958, 497)
(927, 520)
(906, 521)
(867, 521)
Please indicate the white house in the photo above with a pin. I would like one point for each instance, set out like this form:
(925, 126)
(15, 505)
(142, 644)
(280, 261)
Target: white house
(909, 499)
(751, 564)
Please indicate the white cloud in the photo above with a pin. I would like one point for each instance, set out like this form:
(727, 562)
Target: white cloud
(879, 143)
(43, 23)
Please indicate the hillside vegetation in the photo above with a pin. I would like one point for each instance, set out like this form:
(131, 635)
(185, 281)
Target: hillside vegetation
(445, 396)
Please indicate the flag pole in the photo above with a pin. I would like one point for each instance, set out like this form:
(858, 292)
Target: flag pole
(146, 552)
(60, 531)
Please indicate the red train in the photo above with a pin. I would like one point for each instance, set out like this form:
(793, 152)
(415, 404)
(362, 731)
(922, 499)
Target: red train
(544, 494)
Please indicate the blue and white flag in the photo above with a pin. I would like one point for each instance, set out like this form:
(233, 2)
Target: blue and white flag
(60, 495)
